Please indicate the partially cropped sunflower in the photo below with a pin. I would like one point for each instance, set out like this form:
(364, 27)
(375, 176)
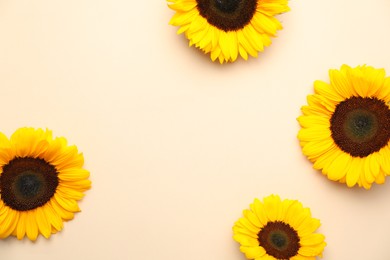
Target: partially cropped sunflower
(346, 126)
(228, 28)
(275, 229)
(41, 180)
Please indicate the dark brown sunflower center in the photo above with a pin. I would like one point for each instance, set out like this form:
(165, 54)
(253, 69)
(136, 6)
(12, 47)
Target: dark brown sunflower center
(27, 183)
(279, 240)
(361, 126)
(227, 6)
(227, 15)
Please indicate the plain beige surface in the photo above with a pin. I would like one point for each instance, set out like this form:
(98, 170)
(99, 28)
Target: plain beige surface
(177, 145)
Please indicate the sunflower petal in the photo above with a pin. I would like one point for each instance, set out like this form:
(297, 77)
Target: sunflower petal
(21, 227)
(258, 208)
(253, 252)
(272, 207)
(42, 222)
(31, 226)
(8, 224)
(354, 172)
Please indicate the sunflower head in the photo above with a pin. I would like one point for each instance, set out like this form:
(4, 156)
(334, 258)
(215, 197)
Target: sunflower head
(346, 126)
(41, 180)
(228, 28)
(275, 229)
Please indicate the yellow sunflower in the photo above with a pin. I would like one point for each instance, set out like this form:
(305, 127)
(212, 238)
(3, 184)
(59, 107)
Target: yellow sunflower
(346, 126)
(228, 28)
(41, 180)
(275, 229)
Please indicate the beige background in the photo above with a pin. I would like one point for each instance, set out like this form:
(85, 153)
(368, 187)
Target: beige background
(177, 145)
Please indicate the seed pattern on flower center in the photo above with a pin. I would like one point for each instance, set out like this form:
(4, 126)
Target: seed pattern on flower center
(227, 6)
(227, 15)
(27, 183)
(361, 126)
(279, 240)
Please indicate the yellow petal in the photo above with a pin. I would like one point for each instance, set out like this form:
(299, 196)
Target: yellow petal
(81, 185)
(339, 167)
(308, 226)
(73, 174)
(21, 227)
(296, 220)
(253, 37)
(272, 8)
(318, 105)
(371, 167)
(385, 159)
(224, 44)
(374, 79)
(258, 208)
(248, 225)
(233, 45)
(266, 257)
(384, 92)
(215, 53)
(340, 82)
(265, 24)
(380, 179)
(312, 250)
(326, 158)
(243, 52)
(69, 193)
(317, 148)
(358, 82)
(301, 257)
(312, 239)
(252, 218)
(64, 214)
(53, 218)
(43, 224)
(67, 204)
(197, 24)
(239, 229)
(327, 91)
(316, 133)
(246, 44)
(252, 252)
(8, 224)
(246, 240)
(314, 120)
(183, 6)
(30, 142)
(31, 226)
(354, 171)
(294, 210)
(272, 207)
(284, 209)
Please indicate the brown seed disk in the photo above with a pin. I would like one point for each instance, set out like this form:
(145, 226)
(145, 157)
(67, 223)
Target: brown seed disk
(27, 183)
(361, 126)
(279, 240)
(227, 15)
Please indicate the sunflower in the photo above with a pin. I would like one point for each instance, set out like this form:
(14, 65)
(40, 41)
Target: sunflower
(226, 28)
(346, 126)
(41, 180)
(275, 229)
